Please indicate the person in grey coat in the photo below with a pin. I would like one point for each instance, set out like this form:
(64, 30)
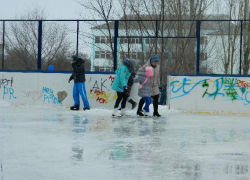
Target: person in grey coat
(144, 88)
(154, 85)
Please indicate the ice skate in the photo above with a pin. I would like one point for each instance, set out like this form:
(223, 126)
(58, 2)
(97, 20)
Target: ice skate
(140, 113)
(115, 113)
(74, 108)
(124, 113)
(156, 114)
(147, 114)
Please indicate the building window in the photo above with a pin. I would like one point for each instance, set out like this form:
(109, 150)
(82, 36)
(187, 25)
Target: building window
(102, 54)
(97, 39)
(103, 39)
(103, 68)
(133, 55)
(203, 56)
(97, 54)
(110, 40)
(108, 54)
(123, 40)
(203, 41)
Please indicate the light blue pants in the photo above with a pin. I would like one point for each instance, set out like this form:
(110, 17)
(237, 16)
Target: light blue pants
(148, 101)
(79, 89)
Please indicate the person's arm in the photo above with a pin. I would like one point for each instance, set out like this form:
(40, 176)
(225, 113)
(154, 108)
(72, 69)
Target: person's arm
(71, 77)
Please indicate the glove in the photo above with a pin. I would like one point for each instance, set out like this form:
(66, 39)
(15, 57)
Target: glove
(125, 89)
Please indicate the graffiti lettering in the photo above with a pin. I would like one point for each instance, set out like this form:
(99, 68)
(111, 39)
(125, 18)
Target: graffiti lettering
(218, 87)
(184, 87)
(230, 91)
(102, 85)
(230, 88)
(6, 82)
(33, 94)
(243, 84)
(47, 90)
(49, 96)
(8, 91)
(99, 94)
(111, 78)
(50, 99)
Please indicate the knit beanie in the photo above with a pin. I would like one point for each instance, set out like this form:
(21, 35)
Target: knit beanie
(75, 58)
(149, 71)
(133, 62)
(155, 58)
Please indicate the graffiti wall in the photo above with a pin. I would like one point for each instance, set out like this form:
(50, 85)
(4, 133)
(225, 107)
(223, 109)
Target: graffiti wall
(53, 89)
(209, 94)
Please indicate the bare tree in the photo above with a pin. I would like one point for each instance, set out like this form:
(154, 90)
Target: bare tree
(103, 9)
(22, 42)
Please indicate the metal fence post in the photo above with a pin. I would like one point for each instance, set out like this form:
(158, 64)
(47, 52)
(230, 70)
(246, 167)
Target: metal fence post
(39, 55)
(115, 44)
(241, 34)
(198, 35)
(3, 45)
(77, 38)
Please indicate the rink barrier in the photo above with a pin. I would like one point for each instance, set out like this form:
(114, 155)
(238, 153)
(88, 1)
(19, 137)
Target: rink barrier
(52, 89)
(209, 94)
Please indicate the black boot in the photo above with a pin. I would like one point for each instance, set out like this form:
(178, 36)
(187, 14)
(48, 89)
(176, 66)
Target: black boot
(74, 108)
(86, 108)
(141, 103)
(134, 104)
(140, 113)
(156, 114)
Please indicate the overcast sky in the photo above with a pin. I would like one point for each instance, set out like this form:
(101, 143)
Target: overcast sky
(55, 9)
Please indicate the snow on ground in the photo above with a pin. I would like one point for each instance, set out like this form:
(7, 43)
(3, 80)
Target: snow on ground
(44, 143)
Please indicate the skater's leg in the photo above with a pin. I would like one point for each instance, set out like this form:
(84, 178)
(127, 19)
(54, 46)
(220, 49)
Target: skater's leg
(83, 93)
(119, 99)
(139, 110)
(134, 104)
(141, 103)
(124, 100)
(155, 104)
(76, 95)
(147, 103)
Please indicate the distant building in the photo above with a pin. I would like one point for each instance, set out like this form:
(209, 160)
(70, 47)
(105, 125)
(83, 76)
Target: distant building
(141, 48)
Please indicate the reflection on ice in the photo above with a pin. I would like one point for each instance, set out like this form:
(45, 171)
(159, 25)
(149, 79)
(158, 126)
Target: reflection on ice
(40, 143)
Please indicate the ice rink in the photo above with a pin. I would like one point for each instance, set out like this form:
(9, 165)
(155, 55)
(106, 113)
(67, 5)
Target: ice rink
(42, 143)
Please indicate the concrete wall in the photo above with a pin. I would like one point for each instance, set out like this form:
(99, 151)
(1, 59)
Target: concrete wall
(53, 89)
(209, 94)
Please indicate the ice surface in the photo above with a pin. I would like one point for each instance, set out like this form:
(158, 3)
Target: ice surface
(39, 143)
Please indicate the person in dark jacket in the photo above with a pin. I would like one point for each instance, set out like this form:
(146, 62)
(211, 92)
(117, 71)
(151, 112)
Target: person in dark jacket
(79, 83)
(129, 85)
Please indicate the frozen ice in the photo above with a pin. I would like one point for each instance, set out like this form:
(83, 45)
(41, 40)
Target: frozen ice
(43, 143)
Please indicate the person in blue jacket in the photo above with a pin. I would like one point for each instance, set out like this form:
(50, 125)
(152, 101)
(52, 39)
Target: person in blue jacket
(120, 85)
(79, 83)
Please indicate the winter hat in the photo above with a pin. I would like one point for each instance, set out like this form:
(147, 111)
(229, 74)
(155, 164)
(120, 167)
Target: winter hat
(133, 62)
(155, 58)
(75, 58)
(149, 71)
